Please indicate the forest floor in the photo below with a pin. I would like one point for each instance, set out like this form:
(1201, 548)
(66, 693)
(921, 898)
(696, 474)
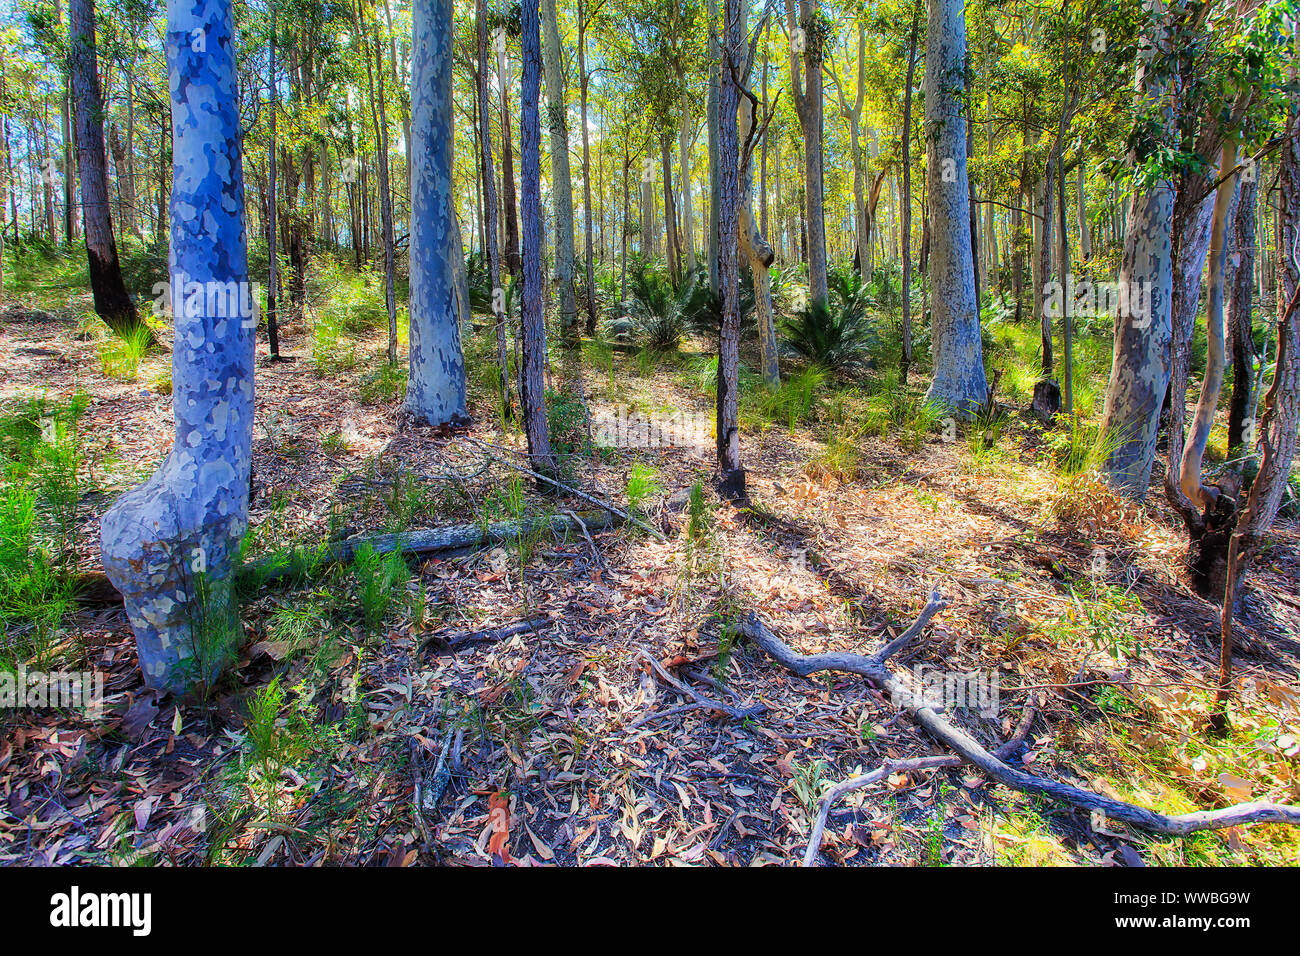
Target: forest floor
(344, 713)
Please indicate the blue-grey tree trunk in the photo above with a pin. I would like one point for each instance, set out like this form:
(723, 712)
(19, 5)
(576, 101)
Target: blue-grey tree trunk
(958, 382)
(435, 390)
(168, 544)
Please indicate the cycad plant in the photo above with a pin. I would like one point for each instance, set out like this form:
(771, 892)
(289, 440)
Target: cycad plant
(834, 336)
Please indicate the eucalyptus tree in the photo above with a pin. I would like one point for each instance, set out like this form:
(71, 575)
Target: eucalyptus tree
(1139, 373)
(113, 302)
(435, 389)
(731, 474)
(490, 202)
(561, 179)
(169, 544)
(958, 384)
(807, 31)
(532, 390)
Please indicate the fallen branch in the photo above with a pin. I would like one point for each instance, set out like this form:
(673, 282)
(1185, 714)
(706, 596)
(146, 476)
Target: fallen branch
(699, 701)
(94, 587)
(568, 489)
(969, 750)
(490, 635)
(457, 536)
(891, 767)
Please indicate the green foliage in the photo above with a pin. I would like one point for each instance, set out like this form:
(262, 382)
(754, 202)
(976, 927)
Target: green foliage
(41, 455)
(566, 417)
(387, 383)
(642, 483)
(379, 579)
(121, 355)
(834, 337)
(794, 400)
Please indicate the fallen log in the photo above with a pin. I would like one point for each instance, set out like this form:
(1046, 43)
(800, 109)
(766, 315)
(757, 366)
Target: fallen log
(95, 588)
(914, 704)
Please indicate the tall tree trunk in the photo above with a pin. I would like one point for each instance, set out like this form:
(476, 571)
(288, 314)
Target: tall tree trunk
(583, 81)
(905, 361)
(112, 302)
(379, 119)
(272, 210)
(561, 181)
(671, 247)
(1042, 266)
(807, 96)
(1281, 417)
(533, 327)
(1189, 470)
(990, 227)
(490, 203)
(70, 221)
(688, 203)
(959, 382)
(435, 389)
(1085, 236)
(1241, 415)
(1139, 374)
(168, 545)
(758, 253)
(507, 158)
(731, 475)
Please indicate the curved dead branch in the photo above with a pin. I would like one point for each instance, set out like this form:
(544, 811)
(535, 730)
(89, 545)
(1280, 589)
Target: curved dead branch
(969, 750)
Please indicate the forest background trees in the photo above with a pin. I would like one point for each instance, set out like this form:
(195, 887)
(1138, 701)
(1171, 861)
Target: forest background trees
(722, 168)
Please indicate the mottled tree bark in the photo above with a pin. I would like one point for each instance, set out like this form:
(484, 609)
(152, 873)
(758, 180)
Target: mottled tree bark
(435, 389)
(168, 544)
(959, 382)
(112, 302)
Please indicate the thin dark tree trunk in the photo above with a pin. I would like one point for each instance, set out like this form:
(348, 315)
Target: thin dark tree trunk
(272, 320)
(905, 362)
(112, 302)
(533, 329)
(490, 204)
(731, 475)
(1241, 327)
(586, 169)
